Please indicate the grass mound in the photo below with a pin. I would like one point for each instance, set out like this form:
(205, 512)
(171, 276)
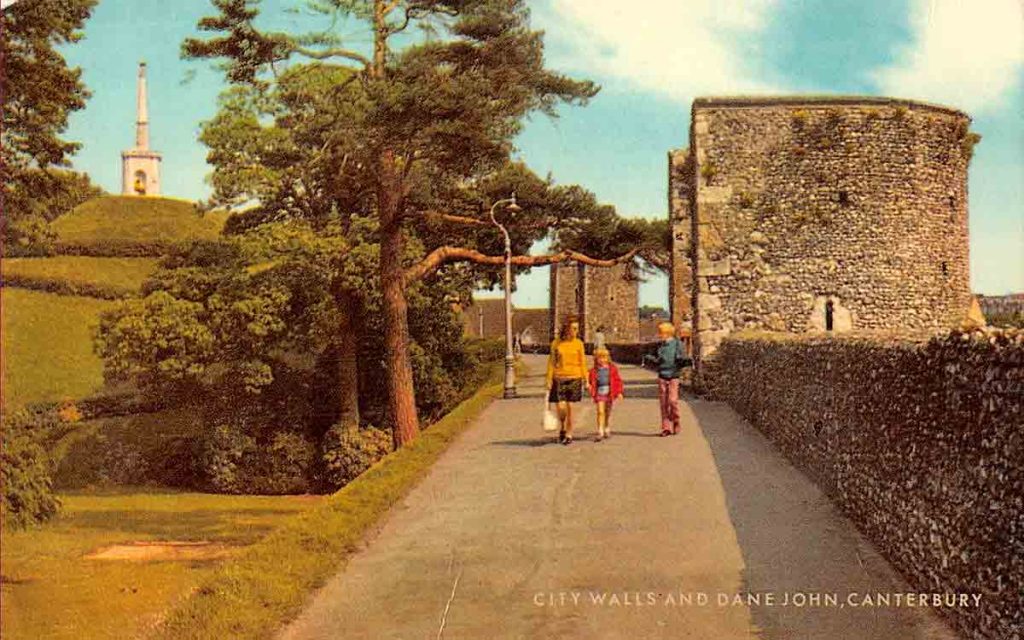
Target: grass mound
(108, 278)
(47, 346)
(133, 226)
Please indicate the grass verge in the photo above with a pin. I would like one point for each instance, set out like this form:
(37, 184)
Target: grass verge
(51, 590)
(253, 595)
(108, 278)
(47, 346)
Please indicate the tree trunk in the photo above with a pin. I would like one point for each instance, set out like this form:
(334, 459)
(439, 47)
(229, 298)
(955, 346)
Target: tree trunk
(401, 393)
(348, 362)
(401, 403)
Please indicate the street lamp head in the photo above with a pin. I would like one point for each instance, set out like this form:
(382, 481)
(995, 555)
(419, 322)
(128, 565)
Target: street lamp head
(513, 207)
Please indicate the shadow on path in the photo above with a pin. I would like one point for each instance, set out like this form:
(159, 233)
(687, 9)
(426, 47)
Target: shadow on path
(794, 540)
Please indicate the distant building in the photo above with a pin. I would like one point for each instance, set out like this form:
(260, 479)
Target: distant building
(140, 166)
(485, 318)
(604, 298)
(1010, 304)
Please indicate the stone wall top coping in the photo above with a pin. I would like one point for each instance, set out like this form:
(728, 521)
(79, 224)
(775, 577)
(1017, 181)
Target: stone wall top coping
(983, 334)
(814, 100)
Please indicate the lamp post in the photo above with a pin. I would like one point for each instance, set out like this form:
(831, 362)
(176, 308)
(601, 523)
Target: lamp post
(510, 358)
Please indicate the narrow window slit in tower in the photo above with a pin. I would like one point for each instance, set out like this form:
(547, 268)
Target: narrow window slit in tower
(829, 312)
(945, 268)
(844, 198)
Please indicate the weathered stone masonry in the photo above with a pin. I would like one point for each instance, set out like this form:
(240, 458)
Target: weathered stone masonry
(600, 296)
(805, 212)
(920, 442)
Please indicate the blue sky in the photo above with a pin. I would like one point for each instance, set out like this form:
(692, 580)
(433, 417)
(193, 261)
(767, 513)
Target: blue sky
(650, 63)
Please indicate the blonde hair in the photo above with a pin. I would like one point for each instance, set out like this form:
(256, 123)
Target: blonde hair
(666, 327)
(602, 352)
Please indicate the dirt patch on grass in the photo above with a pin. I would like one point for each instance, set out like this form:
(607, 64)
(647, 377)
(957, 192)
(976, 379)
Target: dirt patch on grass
(149, 550)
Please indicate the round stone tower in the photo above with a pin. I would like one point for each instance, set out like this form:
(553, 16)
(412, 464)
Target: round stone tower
(821, 213)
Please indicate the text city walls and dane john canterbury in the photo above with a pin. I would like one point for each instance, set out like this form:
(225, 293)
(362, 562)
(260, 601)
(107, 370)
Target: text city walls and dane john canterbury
(798, 599)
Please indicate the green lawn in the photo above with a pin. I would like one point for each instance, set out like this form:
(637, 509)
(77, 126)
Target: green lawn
(47, 346)
(51, 591)
(113, 221)
(79, 275)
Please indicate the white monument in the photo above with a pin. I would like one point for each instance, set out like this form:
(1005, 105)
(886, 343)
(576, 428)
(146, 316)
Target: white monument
(140, 167)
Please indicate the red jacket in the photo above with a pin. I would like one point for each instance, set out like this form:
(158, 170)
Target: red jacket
(614, 378)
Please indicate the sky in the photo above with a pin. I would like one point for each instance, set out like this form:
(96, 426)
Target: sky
(651, 62)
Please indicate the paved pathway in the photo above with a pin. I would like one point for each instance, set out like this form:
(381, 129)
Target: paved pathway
(514, 536)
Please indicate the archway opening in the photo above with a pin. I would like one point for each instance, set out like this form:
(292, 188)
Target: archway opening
(140, 183)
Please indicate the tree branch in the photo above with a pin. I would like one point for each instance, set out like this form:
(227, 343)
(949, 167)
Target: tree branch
(446, 255)
(332, 53)
(450, 217)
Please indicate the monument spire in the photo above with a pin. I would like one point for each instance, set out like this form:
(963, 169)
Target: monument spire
(142, 114)
(140, 167)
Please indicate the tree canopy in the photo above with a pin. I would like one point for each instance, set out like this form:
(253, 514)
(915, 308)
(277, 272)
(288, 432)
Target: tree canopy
(39, 91)
(416, 131)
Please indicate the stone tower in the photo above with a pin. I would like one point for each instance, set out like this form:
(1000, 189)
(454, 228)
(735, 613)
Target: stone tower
(602, 297)
(820, 214)
(140, 167)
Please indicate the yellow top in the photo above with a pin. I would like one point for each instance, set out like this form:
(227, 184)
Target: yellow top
(567, 360)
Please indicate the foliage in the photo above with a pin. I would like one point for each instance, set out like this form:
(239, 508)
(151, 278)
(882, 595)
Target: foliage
(108, 278)
(271, 582)
(132, 226)
(48, 569)
(48, 195)
(418, 115)
(40, 91)
(599, 232)
(141, 449)
(47, 346)
(27, 496)
(349, 450)
(218, 318)
(234, 461)
(1006, 318)
(967, 144)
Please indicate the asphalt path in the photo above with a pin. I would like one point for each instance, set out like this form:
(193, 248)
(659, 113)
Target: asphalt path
(708, 534)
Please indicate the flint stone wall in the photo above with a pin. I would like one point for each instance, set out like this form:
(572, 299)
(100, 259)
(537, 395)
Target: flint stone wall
(800, 202)
(920, 442)
(600, 296)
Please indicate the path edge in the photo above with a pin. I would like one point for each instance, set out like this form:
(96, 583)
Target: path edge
(268, 586)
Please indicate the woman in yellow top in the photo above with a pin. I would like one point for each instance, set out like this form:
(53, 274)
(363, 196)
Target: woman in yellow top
(567, 369)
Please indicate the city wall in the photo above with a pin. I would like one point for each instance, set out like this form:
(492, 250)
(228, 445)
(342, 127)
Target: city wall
(919, 441)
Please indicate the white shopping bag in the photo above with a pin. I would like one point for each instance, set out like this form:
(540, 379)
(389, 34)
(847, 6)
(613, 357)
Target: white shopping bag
(550, 417)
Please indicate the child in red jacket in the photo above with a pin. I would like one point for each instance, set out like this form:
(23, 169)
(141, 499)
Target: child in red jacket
(605, 389)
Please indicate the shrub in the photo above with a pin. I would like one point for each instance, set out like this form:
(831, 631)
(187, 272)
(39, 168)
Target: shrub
(225, 453)
(142, 449)
(348, 451)
(281, 462)
(286, 465)
(27, 497)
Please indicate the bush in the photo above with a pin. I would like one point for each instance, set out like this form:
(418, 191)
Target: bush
(27, 497)
(286, 465)
(348, 451)
(235, 461)
(142, 449)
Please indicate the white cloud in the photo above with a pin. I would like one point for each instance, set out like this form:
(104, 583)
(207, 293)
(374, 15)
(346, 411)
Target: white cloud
(964, 53)
(669, 47)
